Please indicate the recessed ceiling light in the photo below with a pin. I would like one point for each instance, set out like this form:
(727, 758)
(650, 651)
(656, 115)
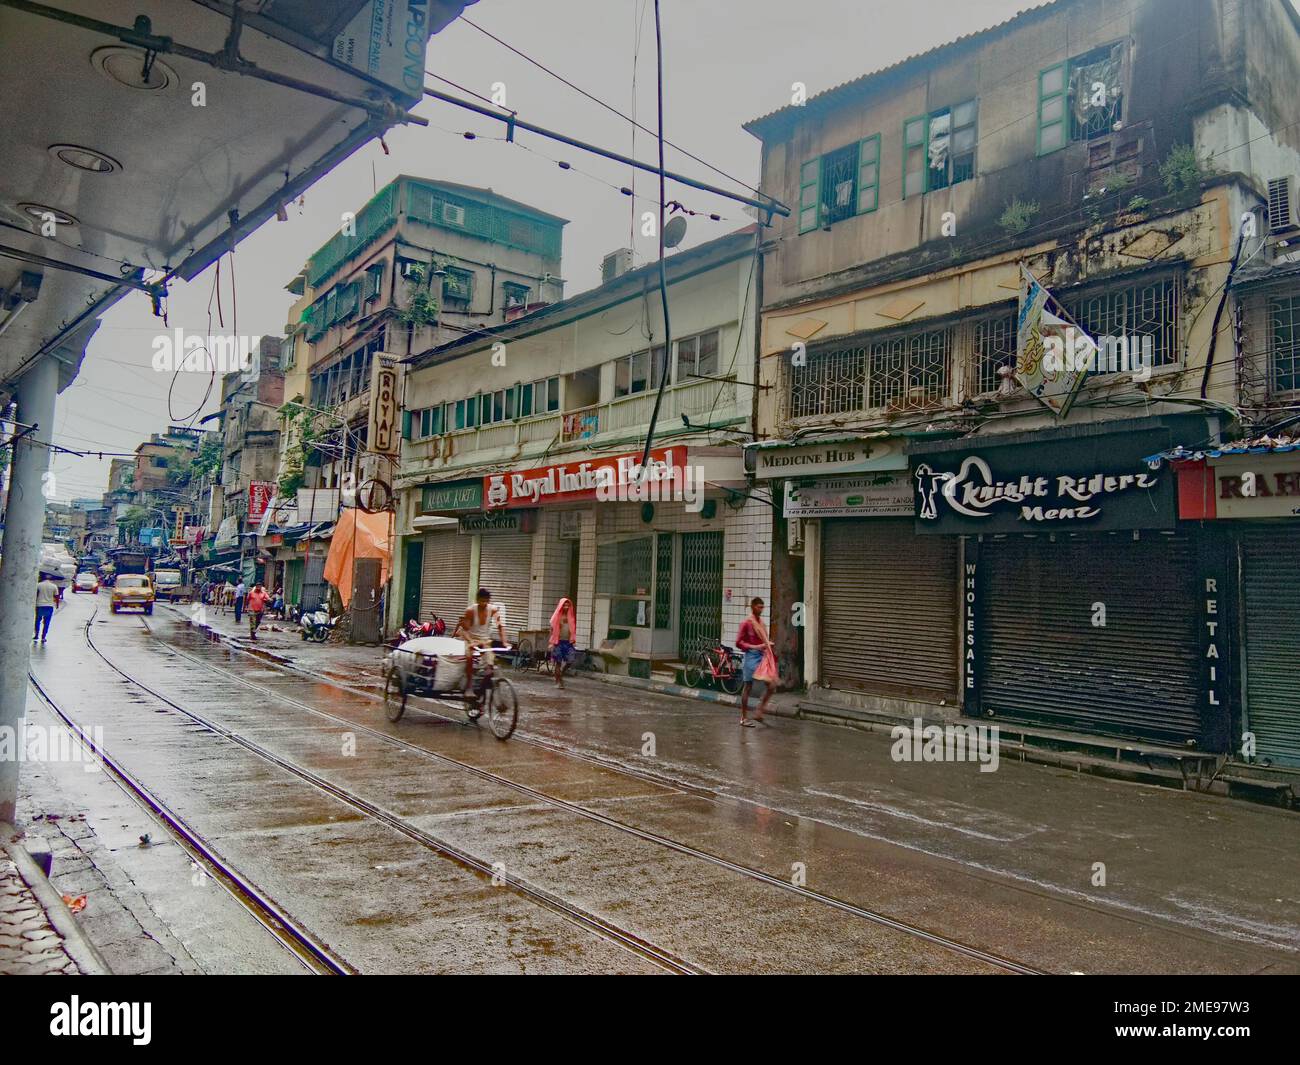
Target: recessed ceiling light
(126, 67)
(40, 210)
(85, 158)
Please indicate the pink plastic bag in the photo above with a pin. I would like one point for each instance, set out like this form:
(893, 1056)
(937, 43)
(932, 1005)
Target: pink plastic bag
(767, 670)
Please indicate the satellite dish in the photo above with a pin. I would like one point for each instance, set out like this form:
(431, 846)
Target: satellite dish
(674, 231)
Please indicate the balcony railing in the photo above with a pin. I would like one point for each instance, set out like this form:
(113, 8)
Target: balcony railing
(701, 400)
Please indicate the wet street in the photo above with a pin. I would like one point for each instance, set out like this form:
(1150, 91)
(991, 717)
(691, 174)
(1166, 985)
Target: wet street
(621, 831)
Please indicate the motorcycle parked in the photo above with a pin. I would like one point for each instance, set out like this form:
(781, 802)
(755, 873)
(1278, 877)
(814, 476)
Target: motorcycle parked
(315, 625)
(415, 629)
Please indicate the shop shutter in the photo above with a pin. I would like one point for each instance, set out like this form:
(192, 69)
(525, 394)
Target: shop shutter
(889, 609)
(315, 589)
(444, 584)
(1270, 574)
(293, 581)
(505, 569)
(1044, 661)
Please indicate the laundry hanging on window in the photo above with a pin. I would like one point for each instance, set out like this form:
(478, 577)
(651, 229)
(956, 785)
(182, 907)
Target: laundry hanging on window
(940, 140)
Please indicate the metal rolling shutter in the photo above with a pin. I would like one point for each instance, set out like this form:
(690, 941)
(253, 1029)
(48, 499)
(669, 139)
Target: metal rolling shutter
(505, 568)
(889, 609)
(1044, 661)
(315, 589)
(444, 580)
(1270, 575)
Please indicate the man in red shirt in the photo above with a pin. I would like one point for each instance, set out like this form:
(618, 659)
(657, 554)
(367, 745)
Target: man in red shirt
(256, 606)
(753, 642)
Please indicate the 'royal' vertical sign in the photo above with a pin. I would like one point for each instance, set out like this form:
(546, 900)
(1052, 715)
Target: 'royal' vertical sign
(385, 415)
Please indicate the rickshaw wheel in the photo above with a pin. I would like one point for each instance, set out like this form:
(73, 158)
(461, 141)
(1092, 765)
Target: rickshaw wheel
(394, 695)
(525, 653)
(502, 709)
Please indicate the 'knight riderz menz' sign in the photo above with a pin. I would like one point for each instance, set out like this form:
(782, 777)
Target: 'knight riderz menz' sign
(1093, 484)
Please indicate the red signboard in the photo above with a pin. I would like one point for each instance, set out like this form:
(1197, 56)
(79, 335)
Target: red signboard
(259, 498)
(586, 479)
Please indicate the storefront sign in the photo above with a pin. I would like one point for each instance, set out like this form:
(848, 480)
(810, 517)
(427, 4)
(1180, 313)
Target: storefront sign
(384, 437)
(813, 460)
(885, 495)
(500, 521)
(572, 481)
(1256, 486)
(259, 498)
(454, 495)
(1094, 483)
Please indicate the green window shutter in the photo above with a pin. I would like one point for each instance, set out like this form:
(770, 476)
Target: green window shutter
(810, 184)
(916, 135)
(406, 425)
(1053, 116)
(869, 174)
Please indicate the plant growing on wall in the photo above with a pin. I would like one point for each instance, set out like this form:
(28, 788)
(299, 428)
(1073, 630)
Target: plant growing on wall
(423, 305)
(1018, 216)
(303, 429)
(1181, 171)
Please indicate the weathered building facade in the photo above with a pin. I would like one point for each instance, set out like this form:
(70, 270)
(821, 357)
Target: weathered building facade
(510, 432)
(955, 545)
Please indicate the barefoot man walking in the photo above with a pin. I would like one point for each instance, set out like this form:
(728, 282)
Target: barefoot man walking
(752, 640)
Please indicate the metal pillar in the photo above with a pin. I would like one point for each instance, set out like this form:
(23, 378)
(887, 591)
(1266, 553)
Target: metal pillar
(20, 554)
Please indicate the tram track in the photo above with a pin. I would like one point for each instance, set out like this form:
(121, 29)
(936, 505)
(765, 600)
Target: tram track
(280, 921)
(605, 820)
(316, 957)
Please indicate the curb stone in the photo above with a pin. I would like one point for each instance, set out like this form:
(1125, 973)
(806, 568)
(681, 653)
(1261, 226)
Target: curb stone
(75, 942)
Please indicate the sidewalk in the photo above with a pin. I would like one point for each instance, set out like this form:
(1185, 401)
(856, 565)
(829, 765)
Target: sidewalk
(39, 936)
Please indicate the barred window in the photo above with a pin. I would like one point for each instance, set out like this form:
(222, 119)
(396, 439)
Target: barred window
(830, 382)
(1144, 316)
(902, 370)
(993, 345)
(1284, 342)
(909, 370)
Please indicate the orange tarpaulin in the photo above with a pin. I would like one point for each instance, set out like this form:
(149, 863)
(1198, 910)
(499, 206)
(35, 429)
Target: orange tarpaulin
(357, 535)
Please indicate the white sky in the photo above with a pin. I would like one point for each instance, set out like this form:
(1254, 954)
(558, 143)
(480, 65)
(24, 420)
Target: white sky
(725, 62)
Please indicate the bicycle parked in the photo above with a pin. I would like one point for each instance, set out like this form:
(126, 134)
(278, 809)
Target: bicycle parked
(717, 666)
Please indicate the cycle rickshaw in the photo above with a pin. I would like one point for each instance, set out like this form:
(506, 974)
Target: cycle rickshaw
(434, 667)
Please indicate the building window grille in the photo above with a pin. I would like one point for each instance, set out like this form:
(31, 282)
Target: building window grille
(1284, 342)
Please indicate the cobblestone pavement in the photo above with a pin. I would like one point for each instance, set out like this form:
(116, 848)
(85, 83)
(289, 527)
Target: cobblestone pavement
(29, 945)
(117, 918)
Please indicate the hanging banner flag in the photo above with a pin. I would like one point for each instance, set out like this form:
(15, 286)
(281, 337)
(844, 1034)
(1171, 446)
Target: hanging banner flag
(1053, 355)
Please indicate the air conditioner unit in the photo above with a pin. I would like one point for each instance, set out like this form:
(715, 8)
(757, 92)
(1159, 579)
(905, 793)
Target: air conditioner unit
(614, 264)
(453, 214)
(794, 536)
(1281, 212)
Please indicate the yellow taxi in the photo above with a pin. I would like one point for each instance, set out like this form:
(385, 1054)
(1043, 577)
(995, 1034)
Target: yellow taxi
(134, 590)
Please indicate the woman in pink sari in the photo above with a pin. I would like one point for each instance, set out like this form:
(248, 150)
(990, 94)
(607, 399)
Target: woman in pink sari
(564, 625)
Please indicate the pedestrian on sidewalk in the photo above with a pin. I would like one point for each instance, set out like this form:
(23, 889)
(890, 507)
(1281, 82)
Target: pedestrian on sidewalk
(227, 595)
(564, 624)
(759, 662)
(46, 594)
(240, 592)
(277, 603)
(257, 600)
